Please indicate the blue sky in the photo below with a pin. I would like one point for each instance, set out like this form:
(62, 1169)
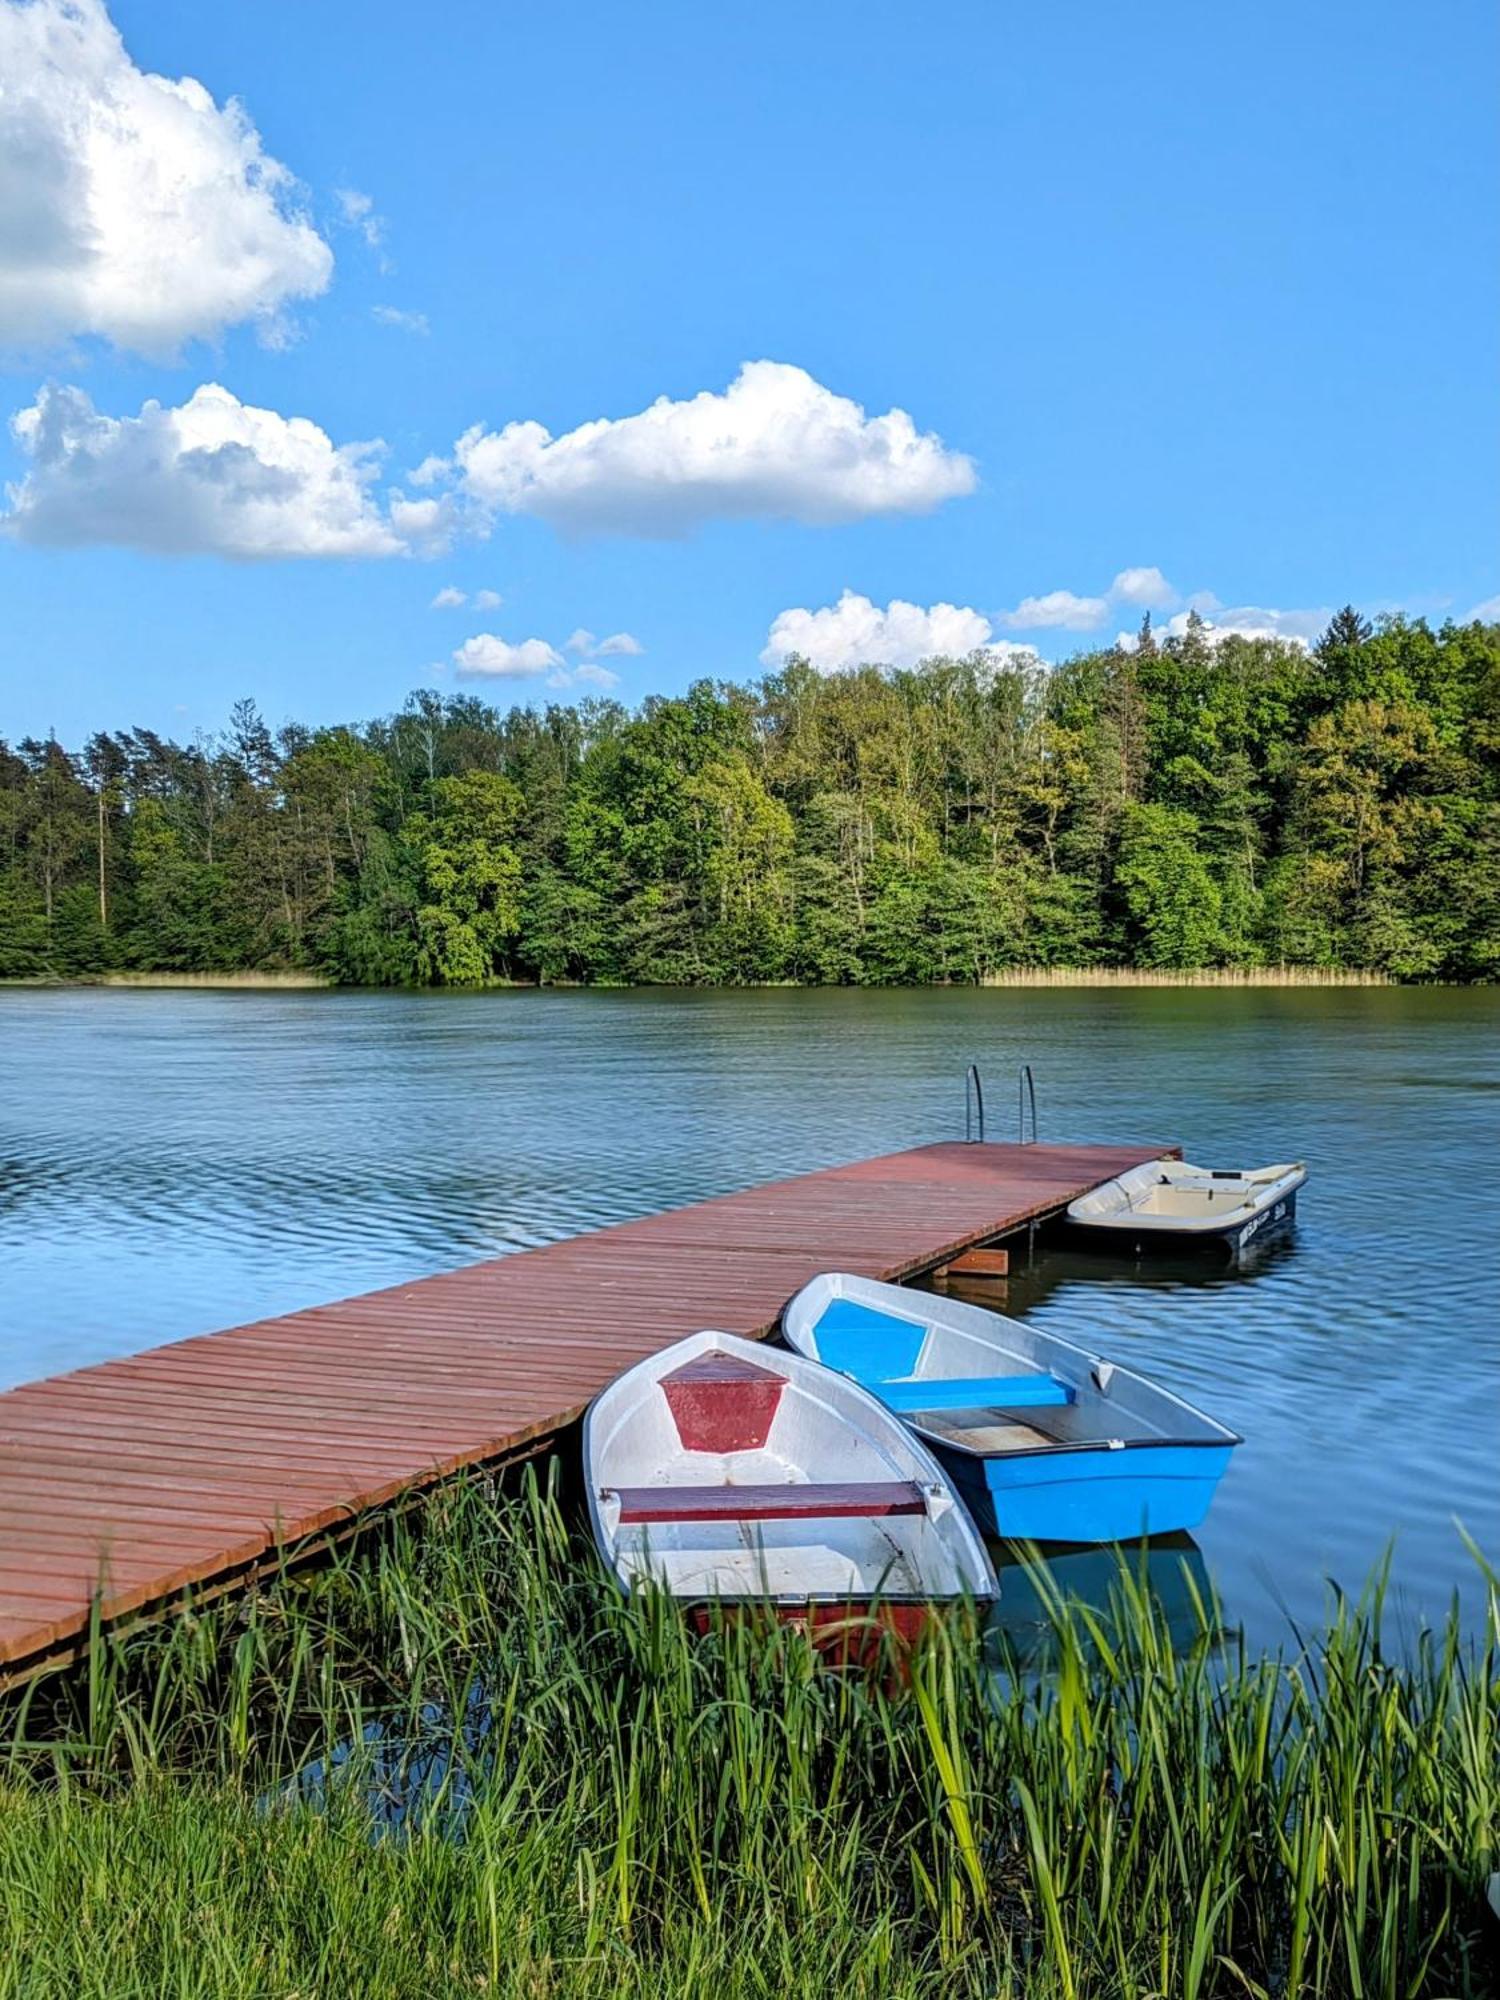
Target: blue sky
(1201, 297)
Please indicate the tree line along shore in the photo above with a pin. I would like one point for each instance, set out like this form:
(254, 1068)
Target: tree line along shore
(1223, 807)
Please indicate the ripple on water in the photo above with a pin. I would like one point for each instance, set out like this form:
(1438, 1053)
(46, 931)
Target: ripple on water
(171, 1162)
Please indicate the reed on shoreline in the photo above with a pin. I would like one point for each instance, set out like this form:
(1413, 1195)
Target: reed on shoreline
(1015, 975)
(456, 1762)
(269, 981)
(1205, 975)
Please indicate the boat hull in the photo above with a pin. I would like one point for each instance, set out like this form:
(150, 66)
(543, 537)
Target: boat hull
(1092, 1495)
(1146, 1237)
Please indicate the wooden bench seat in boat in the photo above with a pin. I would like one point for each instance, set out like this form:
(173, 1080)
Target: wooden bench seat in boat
(975, 1392)
(819, 1501)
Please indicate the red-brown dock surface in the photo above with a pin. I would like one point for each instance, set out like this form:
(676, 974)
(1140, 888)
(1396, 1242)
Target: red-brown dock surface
(191, 1464)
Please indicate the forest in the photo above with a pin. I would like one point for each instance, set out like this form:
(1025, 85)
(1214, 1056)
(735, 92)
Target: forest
(1196, 801)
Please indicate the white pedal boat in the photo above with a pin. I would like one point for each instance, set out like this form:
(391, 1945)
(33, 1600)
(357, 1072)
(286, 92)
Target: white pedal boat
(1173, 1202)
(722, 1470)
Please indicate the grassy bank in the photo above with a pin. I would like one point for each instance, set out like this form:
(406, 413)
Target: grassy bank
(456, 1763)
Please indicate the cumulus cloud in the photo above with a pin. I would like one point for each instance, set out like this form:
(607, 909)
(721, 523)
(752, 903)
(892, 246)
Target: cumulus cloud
(132, 206)
(1147, 588)
(1062, 609)
(486, 657)
(855, 632)
(774, 445)
(619, 645)
(1066, 610)
(1245, 621)
(406, 322)
(449, 598)
(215, 476)
(488, 600)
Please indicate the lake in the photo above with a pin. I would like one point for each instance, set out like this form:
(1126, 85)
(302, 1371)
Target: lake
(172, 1162)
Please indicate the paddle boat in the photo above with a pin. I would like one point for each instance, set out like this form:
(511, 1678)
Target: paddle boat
(1045, 1441)
(1170, 1204)
(725, 1471)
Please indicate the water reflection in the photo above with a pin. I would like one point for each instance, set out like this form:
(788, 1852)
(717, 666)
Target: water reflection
(1021, 1631)
(171, 1162)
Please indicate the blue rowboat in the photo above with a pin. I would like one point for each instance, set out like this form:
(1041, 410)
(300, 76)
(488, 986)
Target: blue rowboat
(1045, 1441)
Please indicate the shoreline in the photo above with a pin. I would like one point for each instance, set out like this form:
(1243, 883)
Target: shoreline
(1052, 976)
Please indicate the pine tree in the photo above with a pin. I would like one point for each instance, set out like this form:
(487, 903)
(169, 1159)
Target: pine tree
(1346, 630)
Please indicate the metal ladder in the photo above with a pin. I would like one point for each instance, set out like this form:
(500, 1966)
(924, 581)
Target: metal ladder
(974, 1106)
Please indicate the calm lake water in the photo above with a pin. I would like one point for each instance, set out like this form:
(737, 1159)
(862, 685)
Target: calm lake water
(172, 1162)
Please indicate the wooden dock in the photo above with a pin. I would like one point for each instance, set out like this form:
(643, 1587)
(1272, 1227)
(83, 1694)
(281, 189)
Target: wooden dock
(193, 1464)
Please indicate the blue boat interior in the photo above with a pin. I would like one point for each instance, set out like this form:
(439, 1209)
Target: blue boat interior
(881, 1348)
(871, 1345)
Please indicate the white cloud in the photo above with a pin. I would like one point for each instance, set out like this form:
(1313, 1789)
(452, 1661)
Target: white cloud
(1487, 613)
(407, 322)
(1056, 608)
(1146, 587)
(775, 444)
(215, 476)
(357, 211)
(1245, 621)
(488, 600)
(486, 656)
(449, 598)
(619, 645)
(1067, 611)
(131, 205)
(854, 632)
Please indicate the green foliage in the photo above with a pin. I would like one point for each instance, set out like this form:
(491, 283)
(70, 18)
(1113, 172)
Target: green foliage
(1171, 895)
(1193, 802)
(470, 878)
(455, 1760)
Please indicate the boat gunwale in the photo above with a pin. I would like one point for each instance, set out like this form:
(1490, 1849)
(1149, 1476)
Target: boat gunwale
(1087, 1362)
(1074, 1445)
(1155, 1222)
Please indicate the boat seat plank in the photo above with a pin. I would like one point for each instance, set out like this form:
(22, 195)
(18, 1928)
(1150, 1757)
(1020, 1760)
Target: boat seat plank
(823, 1501)
(975, 1392)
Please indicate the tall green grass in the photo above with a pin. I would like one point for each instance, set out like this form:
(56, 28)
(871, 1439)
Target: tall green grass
(456, 1762)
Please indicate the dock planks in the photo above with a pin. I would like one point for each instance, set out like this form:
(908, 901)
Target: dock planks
(192, 1463)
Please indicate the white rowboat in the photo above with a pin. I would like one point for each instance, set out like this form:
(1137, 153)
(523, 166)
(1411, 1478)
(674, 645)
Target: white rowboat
(720, 1469)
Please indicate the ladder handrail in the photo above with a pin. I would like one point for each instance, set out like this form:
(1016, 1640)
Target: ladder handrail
(1025, 1097)
(973, 1104)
